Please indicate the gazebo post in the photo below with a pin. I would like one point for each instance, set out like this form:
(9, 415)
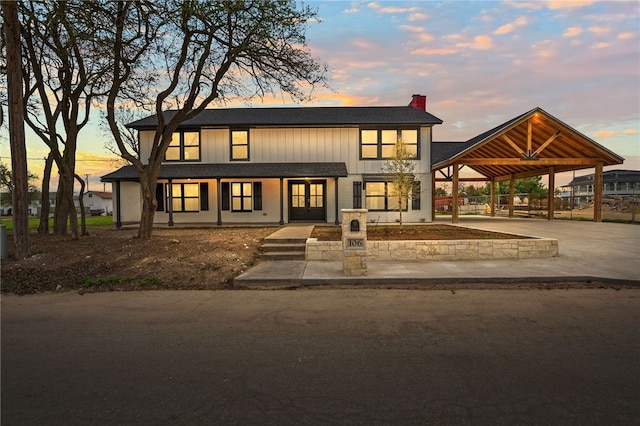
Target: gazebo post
(597, 194)
(551, 197)
(492, 197)
(512, 193)
(454, 195)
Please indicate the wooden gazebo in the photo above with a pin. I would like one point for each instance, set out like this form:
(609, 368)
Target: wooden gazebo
(532, 144)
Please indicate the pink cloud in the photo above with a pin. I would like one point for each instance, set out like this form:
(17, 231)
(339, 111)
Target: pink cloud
(507, 28)
(572, 32)
(600, 30)
(435, 51)
(568, 4)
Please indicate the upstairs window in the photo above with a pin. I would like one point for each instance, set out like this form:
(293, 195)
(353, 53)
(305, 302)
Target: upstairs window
(184, 146)
(239, 145)
(378, 144)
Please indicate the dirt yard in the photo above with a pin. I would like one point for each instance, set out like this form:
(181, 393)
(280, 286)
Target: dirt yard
(180, 258)
(110, 259)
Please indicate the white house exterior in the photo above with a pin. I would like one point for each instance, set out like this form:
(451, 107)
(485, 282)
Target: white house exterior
(282, 165)
(98, 202)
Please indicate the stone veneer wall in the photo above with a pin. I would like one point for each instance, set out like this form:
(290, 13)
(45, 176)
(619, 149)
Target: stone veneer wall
(440, 249)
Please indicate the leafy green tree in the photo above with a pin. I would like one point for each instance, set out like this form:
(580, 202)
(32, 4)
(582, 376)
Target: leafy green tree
(6, 179)
(530, 185)
(473, 191)
(440, 192)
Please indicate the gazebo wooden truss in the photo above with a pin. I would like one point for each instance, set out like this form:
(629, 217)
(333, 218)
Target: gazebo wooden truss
(532, 144)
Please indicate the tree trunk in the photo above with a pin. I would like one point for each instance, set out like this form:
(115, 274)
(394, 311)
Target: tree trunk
(83, 213)
(65, 208)
(149, 203)
(16, 131)
(43, 228)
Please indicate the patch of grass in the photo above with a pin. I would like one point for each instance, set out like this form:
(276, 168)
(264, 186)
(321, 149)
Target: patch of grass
(34, 222)
(148, 281)
(87, 282)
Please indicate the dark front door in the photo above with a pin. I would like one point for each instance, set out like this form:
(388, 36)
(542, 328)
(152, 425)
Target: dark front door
(307, 200)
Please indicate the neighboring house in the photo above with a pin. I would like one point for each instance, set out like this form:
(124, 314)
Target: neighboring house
(35, 205)
(287, 165)
(6, 204)
(98, 202)
(616, 183)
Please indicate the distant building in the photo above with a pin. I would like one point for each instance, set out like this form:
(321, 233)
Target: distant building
(616, 183)
(99, 203)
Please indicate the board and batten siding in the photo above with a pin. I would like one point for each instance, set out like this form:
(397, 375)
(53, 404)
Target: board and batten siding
(296, 145)
(300, 145)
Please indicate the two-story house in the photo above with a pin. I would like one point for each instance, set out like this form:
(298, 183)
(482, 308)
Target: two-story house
(282, 165)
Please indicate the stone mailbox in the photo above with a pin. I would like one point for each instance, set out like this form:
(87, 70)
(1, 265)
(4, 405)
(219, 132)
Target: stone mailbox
(354, 242)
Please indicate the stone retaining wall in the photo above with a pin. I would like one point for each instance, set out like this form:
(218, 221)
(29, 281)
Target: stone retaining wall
(440, 249)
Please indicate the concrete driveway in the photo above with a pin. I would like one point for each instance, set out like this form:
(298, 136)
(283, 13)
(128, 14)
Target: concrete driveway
(322, 357)
(601, 253)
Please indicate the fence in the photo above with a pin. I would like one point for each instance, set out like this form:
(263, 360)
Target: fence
(617, 209)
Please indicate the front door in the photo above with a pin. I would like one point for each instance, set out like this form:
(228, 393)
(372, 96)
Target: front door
(307, 200)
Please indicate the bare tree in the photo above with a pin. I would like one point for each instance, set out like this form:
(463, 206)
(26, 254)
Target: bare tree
(16, 131)
(65, 68)
(210, 51)
(400, 169)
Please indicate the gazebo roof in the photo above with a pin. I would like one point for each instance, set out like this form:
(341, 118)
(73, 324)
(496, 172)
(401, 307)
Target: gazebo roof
(527, 145)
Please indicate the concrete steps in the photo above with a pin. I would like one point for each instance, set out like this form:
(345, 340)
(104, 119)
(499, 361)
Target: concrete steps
(287, 244)
(285, 250)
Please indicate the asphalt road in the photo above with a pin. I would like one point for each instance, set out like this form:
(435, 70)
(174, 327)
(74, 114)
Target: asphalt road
(322, 357)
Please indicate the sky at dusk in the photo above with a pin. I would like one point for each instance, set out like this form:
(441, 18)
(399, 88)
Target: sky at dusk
(479, 64)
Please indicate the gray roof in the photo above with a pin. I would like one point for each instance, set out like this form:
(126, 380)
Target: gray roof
(610, 176)
(234, 170)
(303, 116)
(441, 151)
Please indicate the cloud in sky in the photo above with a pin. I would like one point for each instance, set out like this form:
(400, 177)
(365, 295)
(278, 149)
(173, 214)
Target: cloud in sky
(572, 32)
(508, 28)
(568, 4)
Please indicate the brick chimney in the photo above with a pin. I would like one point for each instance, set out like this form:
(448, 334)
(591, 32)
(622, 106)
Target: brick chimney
(419, 102)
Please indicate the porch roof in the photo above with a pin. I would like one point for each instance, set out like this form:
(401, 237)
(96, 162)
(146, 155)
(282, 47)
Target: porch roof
(234, 170)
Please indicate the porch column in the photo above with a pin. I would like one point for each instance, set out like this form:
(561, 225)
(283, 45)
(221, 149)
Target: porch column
(597, 194)
(551, 208)
(454, 195)
(281, 201)
(170, 203)
(337, 222)
(118, 203)
(492, 197)
(512, 193)
(219, 201)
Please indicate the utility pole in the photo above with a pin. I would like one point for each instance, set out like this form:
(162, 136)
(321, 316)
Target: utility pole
(86, 176)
